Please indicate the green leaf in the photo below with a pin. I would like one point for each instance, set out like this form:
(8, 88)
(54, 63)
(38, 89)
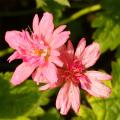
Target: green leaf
(51, 114)
(40, 3)
(117, 54)
(22, 101)
(109, 109)
(23, 118)
(86, 113)
(116, 77)
(107, 23)
(63, 2)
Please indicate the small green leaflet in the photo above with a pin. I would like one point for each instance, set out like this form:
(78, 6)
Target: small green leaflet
(107, 23)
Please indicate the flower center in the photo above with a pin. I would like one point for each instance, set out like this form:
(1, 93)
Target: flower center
(74, 72)
(37, 52)
(44, 53)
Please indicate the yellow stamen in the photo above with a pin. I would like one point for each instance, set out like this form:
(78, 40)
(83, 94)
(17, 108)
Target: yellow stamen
(37, 52)
(44, 52)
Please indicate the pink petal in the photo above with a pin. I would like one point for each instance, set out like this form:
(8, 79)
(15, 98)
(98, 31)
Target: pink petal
(18, 40)
(58, 30)
(91, 54)
(80, 47)
(96, 88)
(70, 48)
(55, 53)
(37, 76)
(46, 26)
(96, 75)
(65, 57)
(63, 48)
(69, 95)
(63, 102)
(60, 39)
(51, 86)
(45, 87)
(36, 24)
(22, 72)
(50, 73)
(67, 54)
(56, 60)
(74, 94)
(14, 56)
(13, 38)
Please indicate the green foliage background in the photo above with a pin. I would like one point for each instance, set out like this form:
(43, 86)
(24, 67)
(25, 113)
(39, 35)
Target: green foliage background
(97, 21)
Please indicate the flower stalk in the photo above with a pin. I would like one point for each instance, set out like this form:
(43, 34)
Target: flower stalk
(81, 13)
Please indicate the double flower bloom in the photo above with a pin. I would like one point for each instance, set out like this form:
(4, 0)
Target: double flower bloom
(46, 57)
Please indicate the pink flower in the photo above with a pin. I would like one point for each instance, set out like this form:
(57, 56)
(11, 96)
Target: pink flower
(39, 51)
(74, 75)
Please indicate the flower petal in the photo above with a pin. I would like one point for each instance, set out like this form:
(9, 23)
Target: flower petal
(38, 76)
(51, 86)
(68, 96)
(13, 38)
(70, 49)
(58, 30)
(80, 47)
(96, 88)
(18, 40)
(68, 53)
(36, 24)
(60, 39)
(91, 54)
(45, 87)
(22, 72)
(65, 57)
(63, 102)
(46, 26)
(55, 53)
(96, 75)
(74, 94)
(14, 56)
(50, 73)
(56, 60)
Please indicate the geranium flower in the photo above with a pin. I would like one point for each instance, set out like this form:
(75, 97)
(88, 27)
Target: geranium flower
(74, 75)
(39, 51)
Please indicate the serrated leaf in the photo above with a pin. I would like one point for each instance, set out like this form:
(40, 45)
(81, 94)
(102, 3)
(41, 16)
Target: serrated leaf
(109, 109)
(107, 23)
(22, 101)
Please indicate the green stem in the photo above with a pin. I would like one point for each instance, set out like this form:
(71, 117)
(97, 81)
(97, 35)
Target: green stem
(81, 13)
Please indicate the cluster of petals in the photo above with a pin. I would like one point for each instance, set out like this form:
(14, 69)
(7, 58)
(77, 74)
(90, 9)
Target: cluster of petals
(75, 76)
(46, 57)
(38, 50)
